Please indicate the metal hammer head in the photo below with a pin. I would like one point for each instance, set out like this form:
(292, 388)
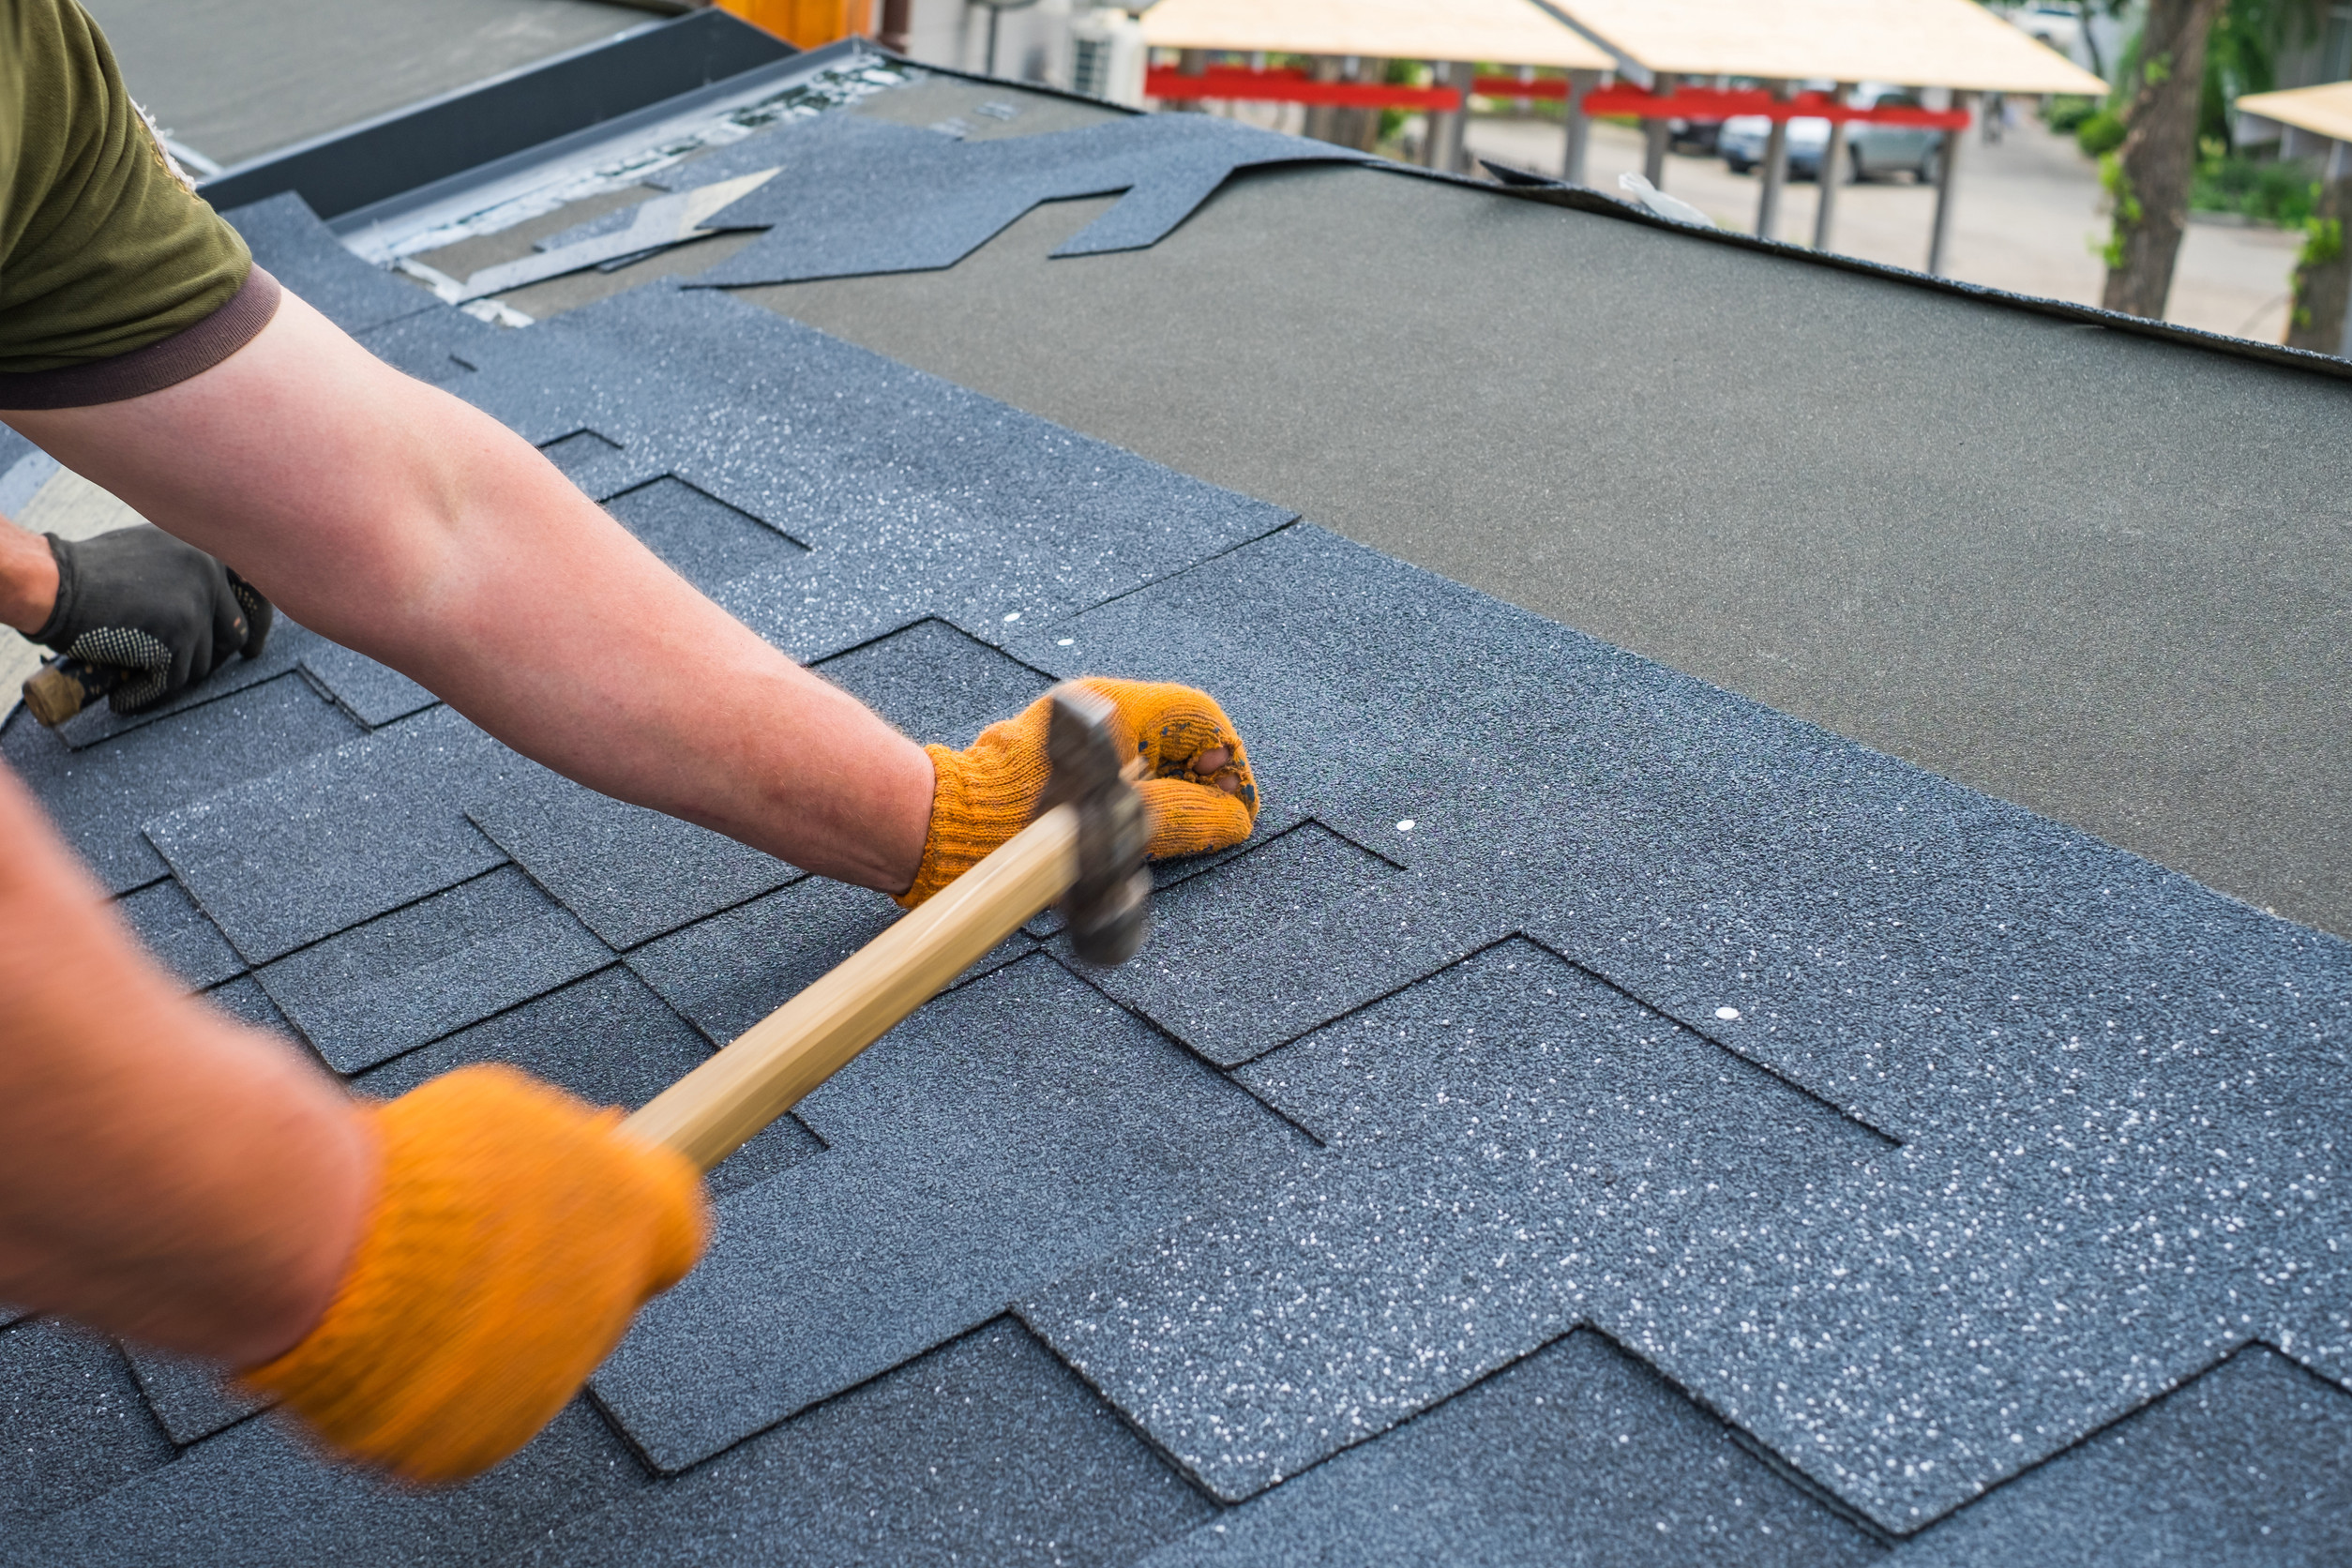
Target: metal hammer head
(1107, 907)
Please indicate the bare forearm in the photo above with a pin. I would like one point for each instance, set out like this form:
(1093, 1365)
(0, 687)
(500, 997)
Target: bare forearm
(29, 579)
(165, 1174)
(396, 519)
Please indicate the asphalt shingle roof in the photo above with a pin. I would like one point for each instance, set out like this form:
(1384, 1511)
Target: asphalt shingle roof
(1598, 1117)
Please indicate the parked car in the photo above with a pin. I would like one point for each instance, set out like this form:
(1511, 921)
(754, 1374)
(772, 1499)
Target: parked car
(1871, 150)
(2058, 27)
(1694, 136)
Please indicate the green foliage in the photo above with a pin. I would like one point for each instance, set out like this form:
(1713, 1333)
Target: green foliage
(2100, 133)
(2128, 211)
(2323, 242)
(2279, 191)
(2063, 113)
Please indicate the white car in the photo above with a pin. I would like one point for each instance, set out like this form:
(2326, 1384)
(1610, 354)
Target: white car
(1871, 150)
(2058, 27)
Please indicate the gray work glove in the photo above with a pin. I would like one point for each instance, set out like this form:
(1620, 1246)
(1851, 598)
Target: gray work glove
(141, 601)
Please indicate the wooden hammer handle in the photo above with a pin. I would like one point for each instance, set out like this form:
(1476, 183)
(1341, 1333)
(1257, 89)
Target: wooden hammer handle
(64, 687)
(715, 1109)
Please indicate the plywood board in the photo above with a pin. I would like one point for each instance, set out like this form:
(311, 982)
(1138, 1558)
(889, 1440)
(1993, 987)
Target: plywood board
(1921, 44)
(1498, 32)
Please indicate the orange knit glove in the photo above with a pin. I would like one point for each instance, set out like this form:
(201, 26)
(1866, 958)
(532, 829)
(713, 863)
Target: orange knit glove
(515, 1235)
(986, 793)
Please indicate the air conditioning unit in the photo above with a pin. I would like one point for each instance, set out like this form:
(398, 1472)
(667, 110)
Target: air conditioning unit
(1106, 56)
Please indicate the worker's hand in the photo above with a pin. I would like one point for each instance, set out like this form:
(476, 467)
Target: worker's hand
(139, 599)
(516, 1232)
(1197, 782)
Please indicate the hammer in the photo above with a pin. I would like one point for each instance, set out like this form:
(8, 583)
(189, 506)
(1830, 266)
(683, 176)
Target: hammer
(64, 686)
(1084, 849)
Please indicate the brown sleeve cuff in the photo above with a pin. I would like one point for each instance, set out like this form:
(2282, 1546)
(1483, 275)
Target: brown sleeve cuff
(158, 365)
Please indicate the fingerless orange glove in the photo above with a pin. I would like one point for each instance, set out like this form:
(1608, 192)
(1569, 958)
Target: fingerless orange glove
(988, 791)
(515, 1235)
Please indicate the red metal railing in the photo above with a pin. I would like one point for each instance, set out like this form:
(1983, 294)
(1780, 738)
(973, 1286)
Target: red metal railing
(1288, 84)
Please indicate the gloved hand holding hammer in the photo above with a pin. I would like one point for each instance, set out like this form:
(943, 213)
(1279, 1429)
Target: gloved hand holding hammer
(424, 1284)
(144, 615)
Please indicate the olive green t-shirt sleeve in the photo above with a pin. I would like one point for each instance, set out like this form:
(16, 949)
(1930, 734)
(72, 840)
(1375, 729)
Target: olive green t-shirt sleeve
(103, 250)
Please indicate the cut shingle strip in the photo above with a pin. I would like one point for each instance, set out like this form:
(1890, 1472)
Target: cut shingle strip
(1290, 935)
(75, 1424)
(287, 643)
(98, 797)
(921, 497)
(1009, 1130)
(607, 1040)
(257, 1495)
(726, 974)
(1579, 1445)
(370, 692)
(627, 872)
(191, 1400)
(170, 926)
(336, 838)
(2252, 1463)
(935, 682)
(431, 968)
(853, 195)
(705, 541)
(1511, 1142)
(983, 1451)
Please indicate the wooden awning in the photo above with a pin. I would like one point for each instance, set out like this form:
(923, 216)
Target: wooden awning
(1500, 31)
(1914, 43)
(2323, 111)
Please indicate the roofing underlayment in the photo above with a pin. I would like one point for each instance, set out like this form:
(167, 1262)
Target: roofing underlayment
(1596, 1118)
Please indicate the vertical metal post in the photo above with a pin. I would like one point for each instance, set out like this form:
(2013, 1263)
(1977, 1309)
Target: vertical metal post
(1833, 172)
(1775, 170)
(1579, 147)
(1946, 177)
(1448, 141)
(2339, 170)
(1654, 133)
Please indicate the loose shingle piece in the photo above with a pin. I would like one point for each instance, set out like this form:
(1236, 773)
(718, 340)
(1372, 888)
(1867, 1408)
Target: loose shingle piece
(852, 195)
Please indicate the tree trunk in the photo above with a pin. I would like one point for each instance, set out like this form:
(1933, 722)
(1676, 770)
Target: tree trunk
(2323, 275)
(2148, 176)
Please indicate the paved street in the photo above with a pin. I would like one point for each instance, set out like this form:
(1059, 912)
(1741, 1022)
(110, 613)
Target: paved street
(233, 79)
(2028, 219)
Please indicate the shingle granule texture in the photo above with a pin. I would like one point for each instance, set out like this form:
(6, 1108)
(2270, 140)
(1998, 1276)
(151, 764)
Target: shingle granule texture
(1595, 1118)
